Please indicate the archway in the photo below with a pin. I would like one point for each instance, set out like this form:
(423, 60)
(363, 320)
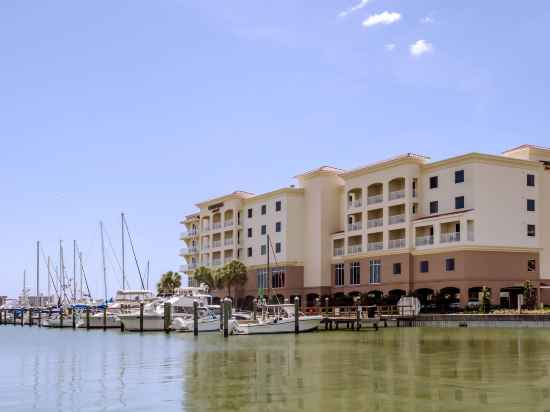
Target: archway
(311, 299)
(394, 295)
(425, 296)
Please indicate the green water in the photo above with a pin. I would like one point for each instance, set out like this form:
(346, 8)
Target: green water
(420, 369)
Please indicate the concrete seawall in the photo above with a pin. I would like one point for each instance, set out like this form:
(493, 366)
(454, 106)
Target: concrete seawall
(484, 321)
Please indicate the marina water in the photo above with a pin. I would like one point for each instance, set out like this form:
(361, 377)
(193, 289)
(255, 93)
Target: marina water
(407, 369)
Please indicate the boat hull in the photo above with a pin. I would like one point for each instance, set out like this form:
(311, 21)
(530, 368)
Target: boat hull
(306, 324)
(96, 322)
(151, 323)
(187, 325)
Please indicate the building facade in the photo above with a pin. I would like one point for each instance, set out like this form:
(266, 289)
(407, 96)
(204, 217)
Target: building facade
(397, 226)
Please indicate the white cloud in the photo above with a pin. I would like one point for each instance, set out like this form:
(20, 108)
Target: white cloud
(421, 47)
(382, 18)
(353, 9)
(427, 20)
(390, 47)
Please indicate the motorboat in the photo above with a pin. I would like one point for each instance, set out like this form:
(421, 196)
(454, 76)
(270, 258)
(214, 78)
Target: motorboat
(153, 313)
(100, 320)
(274, 319)
(208, 320)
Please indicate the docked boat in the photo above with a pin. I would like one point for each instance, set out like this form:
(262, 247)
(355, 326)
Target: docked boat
(274, 319)
(209, 321)
(55, 321)
(100, 320)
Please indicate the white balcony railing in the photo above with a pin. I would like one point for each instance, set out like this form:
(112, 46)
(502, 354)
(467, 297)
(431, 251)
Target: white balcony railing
(395, 219)
(450, 237)
(206, 246)
(188, 267)
(216, 243)
(206, 262)
(228, 242)
(424, 240)
(397, 194)
(397, 243)
(189, 233)
(375, 246)
(355, 226)
(339, 251)
(375, 222)
(354, 249)
(228, 223)
(206, 228)
(216, 225)
(371, 200)
(355, 204)
(216, 262)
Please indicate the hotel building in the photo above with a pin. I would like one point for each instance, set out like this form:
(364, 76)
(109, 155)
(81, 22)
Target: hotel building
(396, 226)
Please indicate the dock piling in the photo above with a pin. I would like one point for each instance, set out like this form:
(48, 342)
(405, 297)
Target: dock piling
(87, 318)
(40, 317)
(195, 318)
(253, 309)
(141, 316)
(74, 318)
(226, 312)
(167, 316)
(30, 316)
(22, 317)
(61, 317)
(105, 318)
(296, 314)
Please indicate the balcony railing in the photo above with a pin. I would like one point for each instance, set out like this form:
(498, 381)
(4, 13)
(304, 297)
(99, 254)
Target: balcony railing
(375, 246)
(189, 233)
(355, 204)
(375, 222)
(355, 226)
(371, 200)
(216, 225)
(397, 243)
(228, 223)
(216, 243)
(205, 246)
(450, 237)
(339, 251)
(424, 240)
(206, 262)
(228, 242)
(354, 249)
(395, 219)
(216, 262)
(397, 194)
(206, 228)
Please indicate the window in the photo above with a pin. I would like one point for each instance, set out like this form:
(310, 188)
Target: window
(264, 229)
(434, 207)
(339, 274)
(278, 205)
(355, 274)
(278, 278)
(278, 247)
(249, 252)
(397, 268)
(374, 271)
(424, 266)
(449, 265)
(249, 232)
(531, 265)
(459, 176)
(278, 227)
(261, 278)
(459, 202)
(249, 213)
(531, 230)
(434, 182)
(531, 180)
(414, 209)
(264, 209)
(263, 250)
(530, 205)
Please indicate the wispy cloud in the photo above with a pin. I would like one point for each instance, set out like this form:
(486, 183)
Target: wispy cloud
(382, 18)
(421, 47)
(427, 20)
(390, 47)
(353, 9)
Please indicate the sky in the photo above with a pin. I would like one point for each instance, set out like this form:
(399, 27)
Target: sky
(148, 107)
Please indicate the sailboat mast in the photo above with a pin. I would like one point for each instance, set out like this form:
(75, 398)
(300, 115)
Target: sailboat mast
(148, 267)
(123, 251)
(103, 261)
(38, 273)
(24, 286)
(62, 272)
(74, 271)
(81, 273)
(49, 282)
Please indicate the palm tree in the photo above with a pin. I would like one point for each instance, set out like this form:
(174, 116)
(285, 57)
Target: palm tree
(168, 283)
(234, 274)
(213, 279)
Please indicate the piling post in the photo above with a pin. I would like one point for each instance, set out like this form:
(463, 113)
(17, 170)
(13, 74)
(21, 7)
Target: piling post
(14, 319)
(61, 316)
(326, 313)
(30, 316)
(357, 315)
(74, 318)
(40, 317)
(22, 317)
(141, 316)
(167, 316)
(222, 308)
(226, 311)
(87, 317)
(296, 315)
(195, 318)
(105, 317)
(253, 309)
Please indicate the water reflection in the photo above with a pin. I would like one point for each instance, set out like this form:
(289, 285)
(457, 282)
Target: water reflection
(392, 370)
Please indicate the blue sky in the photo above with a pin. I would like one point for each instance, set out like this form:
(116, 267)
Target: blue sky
(150, 106)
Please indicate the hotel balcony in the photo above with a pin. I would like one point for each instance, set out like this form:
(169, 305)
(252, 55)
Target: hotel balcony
(397, 243)
(188, 267)
(228, 223)
(397, 194)
(216, 244)
(205, 247)
(189, 233)
(339, 251)
(450, 237)
(355, 226)
(205, 228)
(216, 262)
(354, 249)
(354, 198)
(356, 204)
(372, 246)
(371, 200)
(424, 240)
(228, 242)
(188, 251)
(216, 225)
(375, 223)
(395, 219)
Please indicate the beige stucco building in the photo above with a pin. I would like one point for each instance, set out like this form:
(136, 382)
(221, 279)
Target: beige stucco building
(400, 225)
